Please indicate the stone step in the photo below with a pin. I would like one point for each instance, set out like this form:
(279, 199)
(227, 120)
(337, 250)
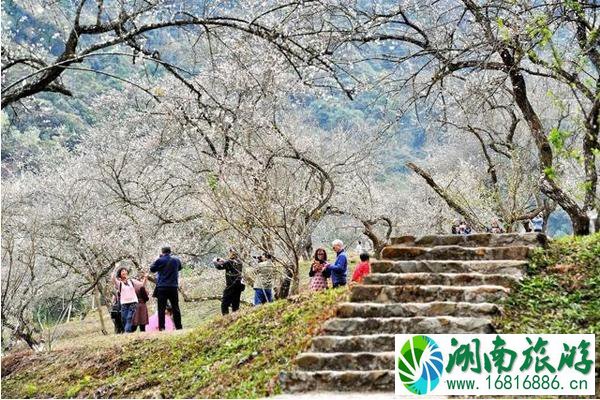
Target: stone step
(367, 326)
(427, 293)
(427, 278)
(345, 361)
(422, 285)
(398, 252)
(433, 309)
(509, 267)
(474, 240)
(337, 381)
(349, 344)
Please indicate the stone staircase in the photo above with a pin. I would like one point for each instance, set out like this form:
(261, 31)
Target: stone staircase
(431, 284)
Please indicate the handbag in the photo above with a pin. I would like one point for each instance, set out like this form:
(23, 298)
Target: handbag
(143, 295)
(115, 310)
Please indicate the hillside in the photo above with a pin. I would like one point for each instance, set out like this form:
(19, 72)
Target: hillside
(241, 355)
(235, 356)
(560, 292)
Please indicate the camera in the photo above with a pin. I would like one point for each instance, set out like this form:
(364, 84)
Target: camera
(263, 257)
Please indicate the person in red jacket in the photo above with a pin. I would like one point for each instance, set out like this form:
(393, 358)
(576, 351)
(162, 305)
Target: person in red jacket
(362, 269)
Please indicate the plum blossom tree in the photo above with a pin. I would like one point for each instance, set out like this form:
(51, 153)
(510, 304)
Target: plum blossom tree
(28, 278)
(238, 168)
(303, 33)
(494, 51)
(491, 157)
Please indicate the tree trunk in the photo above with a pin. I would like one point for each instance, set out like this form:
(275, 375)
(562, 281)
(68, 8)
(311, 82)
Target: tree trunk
(546, 214)
(286, 283)
(469, 218)
(295, 277)
(69, 312)
(378, 245)
(578, 216)
(99, 310)
(28, 338)
(581, 224)
(22, 331)
(308, 248)
(548, 185)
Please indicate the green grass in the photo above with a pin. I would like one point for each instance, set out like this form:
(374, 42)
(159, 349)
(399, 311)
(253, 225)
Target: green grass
(236, 356)
(561, 292)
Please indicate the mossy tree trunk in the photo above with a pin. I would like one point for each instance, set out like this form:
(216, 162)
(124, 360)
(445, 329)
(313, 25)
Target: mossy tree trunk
(99, 310)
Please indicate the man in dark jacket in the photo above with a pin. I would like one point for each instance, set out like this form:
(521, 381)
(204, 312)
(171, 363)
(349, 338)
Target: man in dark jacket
(167, 268)
(233, 282)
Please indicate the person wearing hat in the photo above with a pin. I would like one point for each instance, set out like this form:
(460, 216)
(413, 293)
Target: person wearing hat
(233, 281)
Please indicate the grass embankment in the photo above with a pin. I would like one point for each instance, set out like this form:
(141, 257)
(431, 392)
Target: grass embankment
(561, 292)
(235, 356)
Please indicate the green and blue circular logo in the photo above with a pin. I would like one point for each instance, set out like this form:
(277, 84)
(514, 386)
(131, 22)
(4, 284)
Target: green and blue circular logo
(420, 364)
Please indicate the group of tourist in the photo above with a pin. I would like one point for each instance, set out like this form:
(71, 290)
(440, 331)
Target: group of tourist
(460, 227)
(321, 271)
(496, 226)
(130, 311)
(261, 276)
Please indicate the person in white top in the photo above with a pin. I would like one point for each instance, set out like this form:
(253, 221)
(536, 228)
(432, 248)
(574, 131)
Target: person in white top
(125, 288)
(359, 248)
(537, 223)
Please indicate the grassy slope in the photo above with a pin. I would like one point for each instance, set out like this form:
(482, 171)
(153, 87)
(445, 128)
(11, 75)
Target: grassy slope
(561, 293)
(240, 356)
(236, 356)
